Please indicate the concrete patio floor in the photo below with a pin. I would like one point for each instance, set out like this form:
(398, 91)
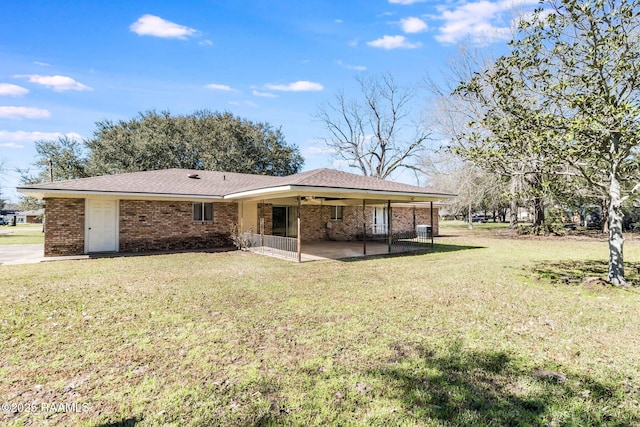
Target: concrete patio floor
(323, 250)
(311, 251)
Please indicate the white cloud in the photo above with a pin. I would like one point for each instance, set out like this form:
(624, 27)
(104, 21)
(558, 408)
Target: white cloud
(17, 139)
(413, 25)
(19, 113)
(299, 86)
(57, 83)
(42, 64)
(205, 43)
(24, 136)
(393, 42)
(11, 145)
(351, 67)
(151, 25)
(353, 43)
(264, 94)
(338, 21)
(405, 2)
(8, 89)
(481, 20)
(244, 103)
(223, 88)
(317, 151)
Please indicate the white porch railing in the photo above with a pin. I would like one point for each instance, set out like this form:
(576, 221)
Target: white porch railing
(282, 247)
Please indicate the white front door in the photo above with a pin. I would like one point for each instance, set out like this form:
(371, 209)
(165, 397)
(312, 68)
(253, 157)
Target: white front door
(101, 226)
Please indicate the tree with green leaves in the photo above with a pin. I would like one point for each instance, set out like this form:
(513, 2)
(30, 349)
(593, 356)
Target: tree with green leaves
(60, 159)
(572, 78)
(508, 136)
(203, 140)
(471, 116)
(376, 133)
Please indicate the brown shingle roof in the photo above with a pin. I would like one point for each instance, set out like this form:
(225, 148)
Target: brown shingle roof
(331, 178)
(219, 184)
(167, 181)
(337, 179)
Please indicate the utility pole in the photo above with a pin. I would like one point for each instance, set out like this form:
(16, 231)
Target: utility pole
(50, 170)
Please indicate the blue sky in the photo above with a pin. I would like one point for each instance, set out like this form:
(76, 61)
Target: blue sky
(66, 64)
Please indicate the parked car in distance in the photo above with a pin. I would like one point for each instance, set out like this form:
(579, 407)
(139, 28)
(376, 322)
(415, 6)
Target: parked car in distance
(4, 221)
(479, 218)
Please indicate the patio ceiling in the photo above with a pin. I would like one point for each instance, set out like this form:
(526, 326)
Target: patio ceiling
(332, 196)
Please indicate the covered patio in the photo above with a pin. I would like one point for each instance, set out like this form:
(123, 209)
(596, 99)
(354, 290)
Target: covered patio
(329, 214)
(325, 250)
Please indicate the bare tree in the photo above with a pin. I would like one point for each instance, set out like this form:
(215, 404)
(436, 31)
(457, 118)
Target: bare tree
(460, 114)
(377, 133)
(477, 189)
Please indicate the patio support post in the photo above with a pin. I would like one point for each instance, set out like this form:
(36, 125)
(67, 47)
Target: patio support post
(262, 223)
(432, 228)
(364, 229)
(299, 234)
(389, 226)
(414, 221)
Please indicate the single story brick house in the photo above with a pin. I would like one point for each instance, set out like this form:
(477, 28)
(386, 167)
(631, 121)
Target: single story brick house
(178, 209)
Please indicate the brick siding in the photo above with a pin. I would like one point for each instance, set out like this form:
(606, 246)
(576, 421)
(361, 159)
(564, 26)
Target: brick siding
(64, 228)
(160, 225)
(315, 220)
(32, 219)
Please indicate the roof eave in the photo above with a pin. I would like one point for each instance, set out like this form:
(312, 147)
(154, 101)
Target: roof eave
(41, 193)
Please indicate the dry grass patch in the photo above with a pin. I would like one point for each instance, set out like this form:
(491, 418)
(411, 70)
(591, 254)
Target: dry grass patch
(451, 337)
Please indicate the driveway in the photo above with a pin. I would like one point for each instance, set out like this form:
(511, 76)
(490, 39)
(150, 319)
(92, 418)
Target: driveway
(21, 254)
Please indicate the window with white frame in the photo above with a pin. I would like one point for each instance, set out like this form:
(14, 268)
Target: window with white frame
(202, 212)
(336, 213)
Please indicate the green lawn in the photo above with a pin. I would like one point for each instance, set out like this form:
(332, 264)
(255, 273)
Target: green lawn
(21, 234)
(474, 333)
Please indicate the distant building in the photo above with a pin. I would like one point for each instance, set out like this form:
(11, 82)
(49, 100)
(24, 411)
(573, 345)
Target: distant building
(30, 217)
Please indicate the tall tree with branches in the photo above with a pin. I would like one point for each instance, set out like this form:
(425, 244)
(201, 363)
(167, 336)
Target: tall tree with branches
(468, 113)
(579, 62)
(376, 133)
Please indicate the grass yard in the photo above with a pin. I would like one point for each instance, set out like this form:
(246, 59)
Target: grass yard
(22, 234)
(482, 331)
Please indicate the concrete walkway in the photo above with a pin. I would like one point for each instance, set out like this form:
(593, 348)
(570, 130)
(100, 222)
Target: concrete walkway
(21, 254)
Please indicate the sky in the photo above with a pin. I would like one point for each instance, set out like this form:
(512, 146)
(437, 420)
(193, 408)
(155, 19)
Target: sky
(67, 64)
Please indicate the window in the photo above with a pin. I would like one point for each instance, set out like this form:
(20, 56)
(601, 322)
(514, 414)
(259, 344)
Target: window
(336, 213)
(202, 212)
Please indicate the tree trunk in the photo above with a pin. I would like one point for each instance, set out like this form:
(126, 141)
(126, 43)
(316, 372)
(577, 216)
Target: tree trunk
(538, 211)
(513, 206)
(538, 202)
(616, 240)
(604, 208)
